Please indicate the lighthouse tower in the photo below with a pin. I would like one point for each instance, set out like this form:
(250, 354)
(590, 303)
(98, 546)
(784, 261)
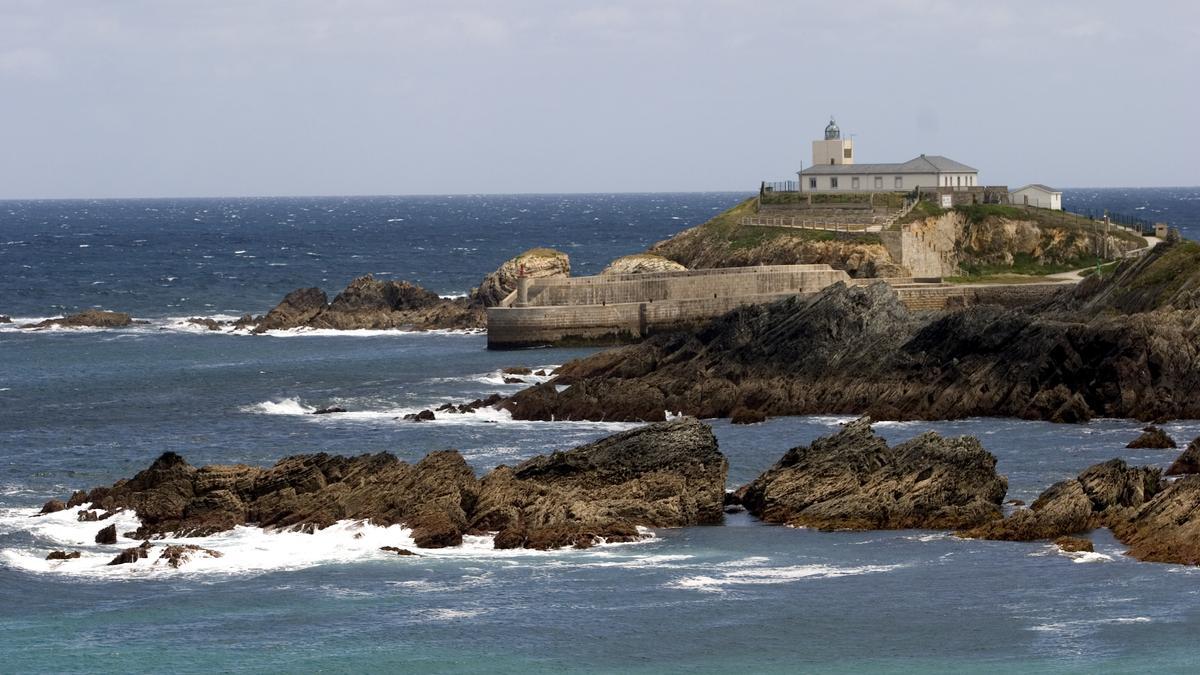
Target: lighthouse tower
(834, 149)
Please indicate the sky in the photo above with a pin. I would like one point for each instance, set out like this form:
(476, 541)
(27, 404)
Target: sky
(359, 97)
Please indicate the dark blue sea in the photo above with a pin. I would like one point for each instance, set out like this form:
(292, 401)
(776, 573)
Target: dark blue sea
(80, 408)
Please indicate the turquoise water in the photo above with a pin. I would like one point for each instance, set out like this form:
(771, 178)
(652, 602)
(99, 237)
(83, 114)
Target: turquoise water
(85, 408)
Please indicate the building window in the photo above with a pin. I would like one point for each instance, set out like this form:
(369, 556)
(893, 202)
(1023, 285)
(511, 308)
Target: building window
(846, 153)
(958, 180)
(812, 183)
(833, 183)
(899, 182)
(831, 160)
(878, 182)
(854, 183)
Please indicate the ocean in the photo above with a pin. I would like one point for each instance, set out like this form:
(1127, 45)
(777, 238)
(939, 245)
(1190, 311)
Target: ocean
(86, 407)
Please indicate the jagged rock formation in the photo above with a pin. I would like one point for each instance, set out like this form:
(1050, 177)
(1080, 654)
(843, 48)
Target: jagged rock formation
(1166, 529)
(665, 475)
(698, 248)
(91, 318)
(368, 303)
(1188, 461)
(1087, 352)
(1100, 496)
(853, 480)
(537, 263)
(641, 263)
(1152, 437)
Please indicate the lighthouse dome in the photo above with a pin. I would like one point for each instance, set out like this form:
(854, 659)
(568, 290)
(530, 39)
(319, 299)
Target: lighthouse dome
(832, 132)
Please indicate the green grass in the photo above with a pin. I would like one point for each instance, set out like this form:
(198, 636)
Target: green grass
(893, 200)
(1026, 265)
(979, 213)
(924, 209)
(1172, 269)
(1103, 270)
(751, 236)
(997, 279)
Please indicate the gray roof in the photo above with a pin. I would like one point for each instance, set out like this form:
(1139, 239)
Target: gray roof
(922, 164)
(1038, 186)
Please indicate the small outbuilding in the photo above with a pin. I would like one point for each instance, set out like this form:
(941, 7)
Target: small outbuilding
(1037, 195)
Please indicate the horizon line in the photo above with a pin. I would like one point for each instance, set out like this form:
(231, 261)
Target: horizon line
(494, 194)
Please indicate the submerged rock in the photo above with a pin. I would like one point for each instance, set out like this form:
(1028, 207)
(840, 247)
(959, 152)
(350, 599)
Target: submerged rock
(1074, 545)
(178, 554)
(854, 480)
(398, 551)
(107, 535)
(328, 410)
(1152, 437)
(423, 416)
(91, 318)
(665, 475)
(63, 555)
(132, 555)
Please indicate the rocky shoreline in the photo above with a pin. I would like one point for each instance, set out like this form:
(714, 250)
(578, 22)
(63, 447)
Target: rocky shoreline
(1125, 345)
(669, 474)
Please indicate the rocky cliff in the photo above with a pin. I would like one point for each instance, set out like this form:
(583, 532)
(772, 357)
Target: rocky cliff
(858, 350)
(664, 475)
(537, 263)
(641, 263)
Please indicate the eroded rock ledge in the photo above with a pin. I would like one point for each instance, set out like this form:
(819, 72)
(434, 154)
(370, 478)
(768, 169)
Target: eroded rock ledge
(854, 480)
(663, 475)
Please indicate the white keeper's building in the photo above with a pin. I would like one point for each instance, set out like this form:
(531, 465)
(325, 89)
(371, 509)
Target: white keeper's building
(833, 170)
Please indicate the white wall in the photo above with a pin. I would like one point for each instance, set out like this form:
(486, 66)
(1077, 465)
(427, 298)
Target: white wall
(866, 182)
(1038, 198)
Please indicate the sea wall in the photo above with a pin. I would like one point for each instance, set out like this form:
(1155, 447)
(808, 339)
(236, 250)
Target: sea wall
(623, 307)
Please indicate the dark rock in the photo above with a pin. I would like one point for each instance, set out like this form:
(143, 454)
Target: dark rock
(94, 318)
(517, 370)
(107, 535)
(210, 324)
(368, 303)
(4, 318)
(1015, 502)
(296, 309)
(53, 506)
(513, 380)
(132, 555)
(540, 373)
(178, 554)
(78, 498)
(480, 403)
(328, 410)
(1102, 494)
(397, 550)
(853, 480)
(664, 475)
(88, 516)
(1166, 528)
(741, 415)
(1074, 544)
(1188, 461)
(63, 555)
(1152, 437)
(423, 416)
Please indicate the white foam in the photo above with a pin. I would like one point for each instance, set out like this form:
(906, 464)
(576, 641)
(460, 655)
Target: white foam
(762, 575)
(243, 550)
(485, 415)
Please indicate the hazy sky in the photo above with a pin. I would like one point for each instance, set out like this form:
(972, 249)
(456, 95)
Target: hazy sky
(319, 97)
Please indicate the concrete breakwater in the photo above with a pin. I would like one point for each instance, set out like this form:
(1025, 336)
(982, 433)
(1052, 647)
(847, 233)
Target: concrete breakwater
(614, 308)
